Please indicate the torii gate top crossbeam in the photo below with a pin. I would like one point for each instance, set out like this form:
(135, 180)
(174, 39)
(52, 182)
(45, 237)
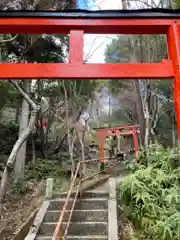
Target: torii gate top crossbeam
(106, 129)
(76, 24)
(97, 22)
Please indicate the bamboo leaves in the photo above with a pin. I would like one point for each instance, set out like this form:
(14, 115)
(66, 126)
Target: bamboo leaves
(151, 195)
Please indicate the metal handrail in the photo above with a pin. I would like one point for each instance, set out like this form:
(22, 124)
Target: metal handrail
(70, 215)
(58, 226)
(59, 223)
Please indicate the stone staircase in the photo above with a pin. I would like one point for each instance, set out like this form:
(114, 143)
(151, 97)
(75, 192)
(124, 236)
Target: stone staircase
(89, 219)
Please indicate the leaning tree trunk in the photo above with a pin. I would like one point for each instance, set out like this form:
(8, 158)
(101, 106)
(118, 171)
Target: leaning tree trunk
(22, 138)
(23, 124)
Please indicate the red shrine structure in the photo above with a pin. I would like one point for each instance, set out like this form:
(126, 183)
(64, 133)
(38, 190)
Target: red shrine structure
(123, 131)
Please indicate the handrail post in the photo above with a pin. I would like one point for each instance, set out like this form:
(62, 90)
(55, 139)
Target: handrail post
(49, 188)
(112, 211)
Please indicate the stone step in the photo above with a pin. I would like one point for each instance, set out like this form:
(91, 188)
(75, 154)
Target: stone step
(76, 228)
(78, 215)
(86, 194)
(84, 203)
(89, 237)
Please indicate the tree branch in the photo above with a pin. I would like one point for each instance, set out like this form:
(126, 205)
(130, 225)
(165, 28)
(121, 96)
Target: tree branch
(24, 94)
(9, 40)
(22, 138)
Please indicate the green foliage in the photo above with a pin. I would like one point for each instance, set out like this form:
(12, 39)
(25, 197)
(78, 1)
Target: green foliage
(19, 187)
(9, 133)
(42, 169)
(151, 194)
(9, 96)
(124, 48)
(81, 91)
(143, 48)
(176, 4)
(10, 128)
(78, 91)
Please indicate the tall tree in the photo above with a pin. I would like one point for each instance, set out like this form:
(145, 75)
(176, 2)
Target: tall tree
(23, 125)
(141, 99)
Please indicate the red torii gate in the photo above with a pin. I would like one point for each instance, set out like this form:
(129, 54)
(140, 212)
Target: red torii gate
(104, 132)
(76, 24)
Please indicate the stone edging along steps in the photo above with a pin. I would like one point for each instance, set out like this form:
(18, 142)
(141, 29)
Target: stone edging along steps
(94, 216)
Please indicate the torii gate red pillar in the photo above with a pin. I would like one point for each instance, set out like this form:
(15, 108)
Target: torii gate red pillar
(173, 37)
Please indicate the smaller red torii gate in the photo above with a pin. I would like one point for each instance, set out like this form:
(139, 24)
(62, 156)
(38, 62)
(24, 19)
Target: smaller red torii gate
(102, 133)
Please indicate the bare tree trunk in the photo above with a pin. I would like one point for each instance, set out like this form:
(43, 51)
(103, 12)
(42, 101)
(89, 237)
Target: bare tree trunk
(70, 144)
(173, 138)
(40, 118)
(17, 113)
(23, 124)
(84, 166)
(140, 112)
(42, 138)
(33, 151)
(79, 133)
(22, 138)
(124, 4)
(65, 136)
(147, 128)
(138, 98)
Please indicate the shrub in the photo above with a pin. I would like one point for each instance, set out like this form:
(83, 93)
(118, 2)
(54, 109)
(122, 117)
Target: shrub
(151, 194)
(19, 187)
(42, 169)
